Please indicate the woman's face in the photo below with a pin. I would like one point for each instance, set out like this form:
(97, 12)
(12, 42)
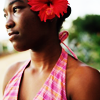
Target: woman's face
(23, 25)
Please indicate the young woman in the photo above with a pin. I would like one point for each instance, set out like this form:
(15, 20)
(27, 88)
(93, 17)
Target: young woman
(51, 73)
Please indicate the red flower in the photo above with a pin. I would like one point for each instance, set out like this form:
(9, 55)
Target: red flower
(49, 8)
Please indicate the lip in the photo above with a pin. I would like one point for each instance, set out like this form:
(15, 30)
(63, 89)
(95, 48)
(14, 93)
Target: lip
(13, 35)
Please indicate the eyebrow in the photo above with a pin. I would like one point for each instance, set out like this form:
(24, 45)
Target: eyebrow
(15, 1)
(11, 3)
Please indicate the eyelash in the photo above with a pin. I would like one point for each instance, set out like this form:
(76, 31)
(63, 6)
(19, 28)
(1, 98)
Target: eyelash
(15, 8)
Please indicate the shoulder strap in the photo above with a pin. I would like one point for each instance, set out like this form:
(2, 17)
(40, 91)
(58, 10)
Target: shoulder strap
(63, 36)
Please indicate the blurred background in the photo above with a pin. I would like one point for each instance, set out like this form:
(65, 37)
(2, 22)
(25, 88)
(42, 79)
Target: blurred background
(83, 26)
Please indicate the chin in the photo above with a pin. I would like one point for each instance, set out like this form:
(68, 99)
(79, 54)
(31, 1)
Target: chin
(19, 47)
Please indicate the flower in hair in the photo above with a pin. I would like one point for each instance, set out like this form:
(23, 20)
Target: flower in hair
(48, 9)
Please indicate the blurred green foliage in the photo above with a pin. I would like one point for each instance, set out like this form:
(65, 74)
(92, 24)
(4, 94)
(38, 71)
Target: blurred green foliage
(5, 48)
(85, 39)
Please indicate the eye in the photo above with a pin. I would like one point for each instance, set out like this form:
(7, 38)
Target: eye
(16, 9)
(5, 15)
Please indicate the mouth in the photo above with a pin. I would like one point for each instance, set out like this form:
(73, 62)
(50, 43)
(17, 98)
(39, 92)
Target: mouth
(13, 35)
(13, 32)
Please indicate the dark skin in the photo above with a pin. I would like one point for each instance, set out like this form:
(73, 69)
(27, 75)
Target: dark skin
(82, 82)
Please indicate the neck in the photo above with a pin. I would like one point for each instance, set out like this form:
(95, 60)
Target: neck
(46, 53)
(45, 58)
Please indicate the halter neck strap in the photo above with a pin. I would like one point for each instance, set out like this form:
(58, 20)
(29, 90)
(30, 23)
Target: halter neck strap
(63, 36)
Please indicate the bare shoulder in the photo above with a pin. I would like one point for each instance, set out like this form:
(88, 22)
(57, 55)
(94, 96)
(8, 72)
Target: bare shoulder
(10, 72)
(84, 82)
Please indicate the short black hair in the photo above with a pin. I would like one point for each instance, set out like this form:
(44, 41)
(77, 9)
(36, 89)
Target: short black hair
(62, 19)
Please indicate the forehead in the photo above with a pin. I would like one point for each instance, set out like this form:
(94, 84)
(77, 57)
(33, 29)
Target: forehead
(10, 2)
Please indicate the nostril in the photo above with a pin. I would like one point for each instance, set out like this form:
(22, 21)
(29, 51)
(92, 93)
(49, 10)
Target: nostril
(10, 25)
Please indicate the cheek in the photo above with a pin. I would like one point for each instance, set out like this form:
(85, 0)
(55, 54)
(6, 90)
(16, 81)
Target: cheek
(29, 26)
(28, 21)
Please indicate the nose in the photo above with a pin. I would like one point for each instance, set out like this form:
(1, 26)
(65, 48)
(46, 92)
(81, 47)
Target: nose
(10, 23)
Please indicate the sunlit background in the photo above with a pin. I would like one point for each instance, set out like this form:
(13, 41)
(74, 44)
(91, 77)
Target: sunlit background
(82, 43)
(79, 8)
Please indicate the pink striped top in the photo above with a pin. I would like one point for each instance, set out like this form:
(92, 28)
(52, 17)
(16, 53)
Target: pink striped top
(53, 88)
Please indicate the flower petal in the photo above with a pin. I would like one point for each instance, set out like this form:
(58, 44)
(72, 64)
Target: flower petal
(49, 8)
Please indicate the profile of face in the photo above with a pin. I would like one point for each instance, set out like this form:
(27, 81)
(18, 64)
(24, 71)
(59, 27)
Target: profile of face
(23, 25)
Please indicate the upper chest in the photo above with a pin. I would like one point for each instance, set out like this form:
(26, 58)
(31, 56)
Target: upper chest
(31, 83)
